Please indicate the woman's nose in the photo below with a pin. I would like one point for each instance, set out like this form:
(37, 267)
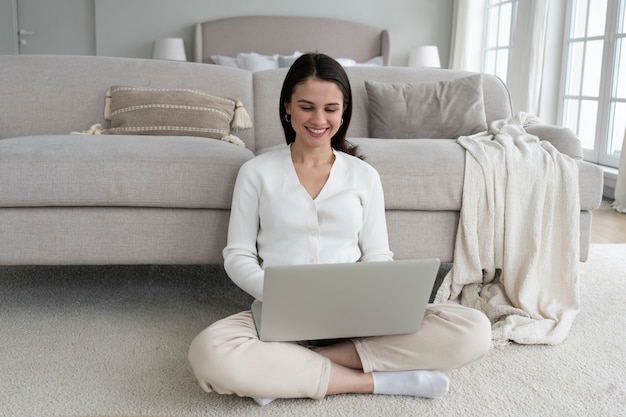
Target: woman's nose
(318, 117)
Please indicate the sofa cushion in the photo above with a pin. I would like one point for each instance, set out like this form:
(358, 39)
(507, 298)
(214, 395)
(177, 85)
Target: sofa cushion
(417, 174)
(119, 170)
(167, 112)
(428, 174)
(443, 109)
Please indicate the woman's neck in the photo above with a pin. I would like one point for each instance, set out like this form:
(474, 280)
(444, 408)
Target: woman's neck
(311, 156)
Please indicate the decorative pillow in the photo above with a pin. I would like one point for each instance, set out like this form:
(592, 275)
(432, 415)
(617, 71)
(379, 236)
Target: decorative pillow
(444, 109)
(150, 111)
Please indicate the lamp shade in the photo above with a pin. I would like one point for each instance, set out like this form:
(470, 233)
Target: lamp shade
(425, 56)
(172, 49)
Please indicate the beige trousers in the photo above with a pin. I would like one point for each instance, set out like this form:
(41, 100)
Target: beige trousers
(228, 357)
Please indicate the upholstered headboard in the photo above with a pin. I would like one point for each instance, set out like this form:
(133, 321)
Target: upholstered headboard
(286, 34)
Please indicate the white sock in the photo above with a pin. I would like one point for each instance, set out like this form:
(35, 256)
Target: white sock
(263, 401)
(428, 384)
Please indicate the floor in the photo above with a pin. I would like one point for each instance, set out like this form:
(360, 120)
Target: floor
(608, 225)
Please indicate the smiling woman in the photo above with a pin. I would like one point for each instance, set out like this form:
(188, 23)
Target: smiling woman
(314, 202)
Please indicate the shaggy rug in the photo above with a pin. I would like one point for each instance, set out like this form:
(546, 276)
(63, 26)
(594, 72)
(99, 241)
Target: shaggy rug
(112, 341)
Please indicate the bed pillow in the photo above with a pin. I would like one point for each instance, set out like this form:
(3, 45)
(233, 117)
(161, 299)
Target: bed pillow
(250, 61)
(377, 61)
(285, 61)
(256, 62)
(226, 61)
(173, 112)
(443, 109)
(349, 62)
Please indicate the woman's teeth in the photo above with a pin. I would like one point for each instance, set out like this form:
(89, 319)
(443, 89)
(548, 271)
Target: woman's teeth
(317, 131)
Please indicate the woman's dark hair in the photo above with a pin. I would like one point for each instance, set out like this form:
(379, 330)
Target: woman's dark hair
(325, 68)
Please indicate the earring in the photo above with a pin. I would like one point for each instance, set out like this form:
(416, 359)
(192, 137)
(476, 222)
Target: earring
(287, 118)
(341, 121)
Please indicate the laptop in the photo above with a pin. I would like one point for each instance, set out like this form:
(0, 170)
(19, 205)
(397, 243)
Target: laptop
(334, 301)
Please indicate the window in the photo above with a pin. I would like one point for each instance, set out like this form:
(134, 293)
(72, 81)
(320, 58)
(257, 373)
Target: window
(499, 33)
(593, 102)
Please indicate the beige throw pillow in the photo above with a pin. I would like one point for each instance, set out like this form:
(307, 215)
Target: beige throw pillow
(443, 109)
(172, 112)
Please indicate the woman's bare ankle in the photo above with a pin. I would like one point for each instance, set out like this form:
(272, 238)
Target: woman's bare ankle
(345, 380)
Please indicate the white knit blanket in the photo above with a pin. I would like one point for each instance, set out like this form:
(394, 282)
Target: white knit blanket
(517, 248)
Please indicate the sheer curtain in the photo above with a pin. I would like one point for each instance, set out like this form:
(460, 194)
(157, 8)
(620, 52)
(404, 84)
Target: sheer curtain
(525, 66)
(466, 49)
(620, 186)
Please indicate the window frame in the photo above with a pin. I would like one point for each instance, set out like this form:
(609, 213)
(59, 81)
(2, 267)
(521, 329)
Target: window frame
(603, 134)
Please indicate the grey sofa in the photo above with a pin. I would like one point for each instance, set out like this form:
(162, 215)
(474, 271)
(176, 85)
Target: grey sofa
(138, 199)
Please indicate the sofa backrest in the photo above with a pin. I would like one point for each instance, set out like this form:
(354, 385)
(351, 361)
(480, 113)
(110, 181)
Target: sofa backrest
(267, 85)
(61, 94)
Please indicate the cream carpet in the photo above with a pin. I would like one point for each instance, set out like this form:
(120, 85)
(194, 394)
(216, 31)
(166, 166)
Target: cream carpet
(112, 341)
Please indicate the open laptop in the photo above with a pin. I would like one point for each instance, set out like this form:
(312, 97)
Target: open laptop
(333, 301)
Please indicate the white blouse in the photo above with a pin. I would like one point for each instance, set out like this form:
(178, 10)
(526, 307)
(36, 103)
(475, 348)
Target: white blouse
(274, 220)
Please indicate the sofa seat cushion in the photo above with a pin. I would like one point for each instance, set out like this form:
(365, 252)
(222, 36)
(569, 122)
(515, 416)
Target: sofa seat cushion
(120, 170)
(428, 174)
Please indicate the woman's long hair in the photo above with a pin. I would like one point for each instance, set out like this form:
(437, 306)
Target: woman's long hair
(325, 68)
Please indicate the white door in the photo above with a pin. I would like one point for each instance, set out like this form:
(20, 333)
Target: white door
(64, 27)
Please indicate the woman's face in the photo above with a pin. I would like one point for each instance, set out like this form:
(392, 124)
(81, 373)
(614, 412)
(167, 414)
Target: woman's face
(316, 109)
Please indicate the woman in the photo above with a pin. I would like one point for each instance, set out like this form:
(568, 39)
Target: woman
(315, 201)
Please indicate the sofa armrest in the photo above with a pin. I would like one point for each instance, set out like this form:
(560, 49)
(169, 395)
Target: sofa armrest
(564, 139)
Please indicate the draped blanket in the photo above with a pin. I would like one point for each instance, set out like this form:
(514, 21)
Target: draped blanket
(517, 247)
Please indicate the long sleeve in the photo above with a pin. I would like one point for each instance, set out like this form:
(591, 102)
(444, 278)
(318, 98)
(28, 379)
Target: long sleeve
(274, 221)
(241, 260)
(373, 239)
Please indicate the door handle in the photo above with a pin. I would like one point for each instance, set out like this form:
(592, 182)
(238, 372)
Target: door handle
(23, 32)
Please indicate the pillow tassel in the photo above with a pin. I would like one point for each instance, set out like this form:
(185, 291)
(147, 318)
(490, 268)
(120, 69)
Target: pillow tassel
(107, 105)
(234, 140)
(93, 130)
(241, 119)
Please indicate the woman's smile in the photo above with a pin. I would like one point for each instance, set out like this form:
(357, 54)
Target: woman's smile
(317, 132)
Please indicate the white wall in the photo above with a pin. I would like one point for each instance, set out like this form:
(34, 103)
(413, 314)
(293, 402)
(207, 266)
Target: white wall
(128, 28)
